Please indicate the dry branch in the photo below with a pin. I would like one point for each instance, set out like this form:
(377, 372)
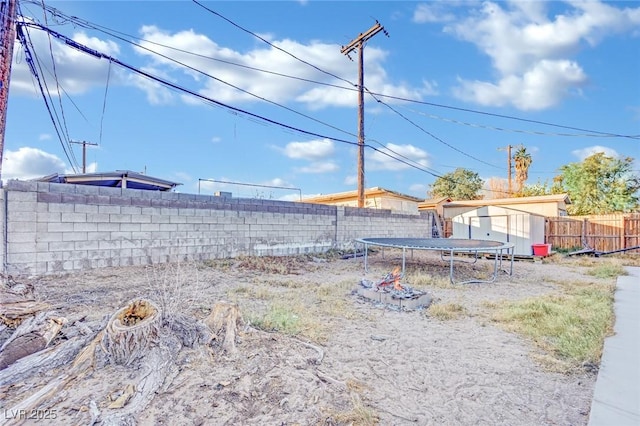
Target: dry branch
(44, 361)
(32, 336)
(17, 305)
(157, 373)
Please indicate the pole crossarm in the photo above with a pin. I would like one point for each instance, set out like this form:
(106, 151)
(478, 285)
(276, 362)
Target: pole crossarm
(362, 38)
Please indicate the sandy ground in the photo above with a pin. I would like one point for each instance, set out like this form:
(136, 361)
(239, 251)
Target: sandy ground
(366, 363)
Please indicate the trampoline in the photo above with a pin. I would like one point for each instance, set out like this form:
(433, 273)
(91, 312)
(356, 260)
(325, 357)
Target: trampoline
(446, 245)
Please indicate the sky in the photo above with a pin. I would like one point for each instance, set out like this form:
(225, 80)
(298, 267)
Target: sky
(258, 98)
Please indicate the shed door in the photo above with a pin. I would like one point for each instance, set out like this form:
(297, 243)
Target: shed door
(494, 228)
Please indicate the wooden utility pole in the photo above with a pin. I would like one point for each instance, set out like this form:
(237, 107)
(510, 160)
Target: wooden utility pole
(509, 167)
(84, 153)
(7, 39)
(358, 43)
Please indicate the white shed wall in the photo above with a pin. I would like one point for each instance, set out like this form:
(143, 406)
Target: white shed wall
(501, 224)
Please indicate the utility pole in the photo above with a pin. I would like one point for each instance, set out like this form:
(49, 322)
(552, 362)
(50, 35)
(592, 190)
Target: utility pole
(7, 39)
(84, 153)
(508, 148)
(358, 43)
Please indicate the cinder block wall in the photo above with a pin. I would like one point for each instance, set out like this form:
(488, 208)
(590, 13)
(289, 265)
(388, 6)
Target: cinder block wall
(60, 227)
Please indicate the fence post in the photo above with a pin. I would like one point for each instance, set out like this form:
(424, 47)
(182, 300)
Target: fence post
(623, 228)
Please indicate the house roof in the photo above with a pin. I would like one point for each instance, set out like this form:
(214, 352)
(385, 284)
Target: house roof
(348, 195)
(433, 202)
(554, 198)
(116, 179)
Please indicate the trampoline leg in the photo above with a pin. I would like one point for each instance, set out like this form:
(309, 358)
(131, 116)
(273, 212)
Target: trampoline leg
(451, 267)
(495, 268)
(366, 251)
(513, 252)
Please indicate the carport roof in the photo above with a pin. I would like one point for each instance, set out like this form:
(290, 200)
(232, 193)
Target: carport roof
(115, 179)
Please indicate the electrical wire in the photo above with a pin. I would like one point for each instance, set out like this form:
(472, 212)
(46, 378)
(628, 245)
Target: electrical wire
(262, 119)
(25, 41)
(353, 87)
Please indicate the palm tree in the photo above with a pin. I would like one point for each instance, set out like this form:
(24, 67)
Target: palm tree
(523, 161)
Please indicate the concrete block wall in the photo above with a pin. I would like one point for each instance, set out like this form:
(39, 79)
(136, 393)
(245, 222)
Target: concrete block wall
(52, 228)
(354, 223)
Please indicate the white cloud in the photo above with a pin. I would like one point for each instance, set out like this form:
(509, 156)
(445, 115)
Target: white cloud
(533, 53)
(92, 167)
(311, 150)
(182, 177)
(543, 86)
(432, 12)
(78, 72)
(30, 163)
(277, 182)
(583, 153)
(250, 80)
(351, 180)
(319, 167)
(419, 188)
(396, 157)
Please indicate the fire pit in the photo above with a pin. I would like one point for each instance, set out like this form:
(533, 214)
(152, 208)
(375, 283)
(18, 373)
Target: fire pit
(389, 291)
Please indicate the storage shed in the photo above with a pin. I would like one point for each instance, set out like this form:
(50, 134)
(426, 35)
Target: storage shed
(495, 223)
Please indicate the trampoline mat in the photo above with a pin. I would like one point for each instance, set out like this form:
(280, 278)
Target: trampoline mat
(436, 243)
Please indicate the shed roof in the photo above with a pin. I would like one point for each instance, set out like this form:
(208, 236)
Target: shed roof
(115, 179)
(515, 200)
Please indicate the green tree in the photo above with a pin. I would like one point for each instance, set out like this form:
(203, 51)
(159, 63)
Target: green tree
(599, 185)
(523, 161)
(461, 184)
(541, 188)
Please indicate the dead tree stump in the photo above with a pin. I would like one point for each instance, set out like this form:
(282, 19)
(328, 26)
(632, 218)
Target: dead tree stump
(131, 331)
(224, 321)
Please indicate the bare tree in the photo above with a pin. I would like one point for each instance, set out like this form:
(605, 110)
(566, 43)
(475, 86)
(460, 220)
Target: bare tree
(496, 188)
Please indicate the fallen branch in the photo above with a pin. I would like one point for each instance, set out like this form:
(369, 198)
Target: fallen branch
(30, 337)
(328, 379)
(158, 366)
(45, 360)
(81, 364)
(314, 347)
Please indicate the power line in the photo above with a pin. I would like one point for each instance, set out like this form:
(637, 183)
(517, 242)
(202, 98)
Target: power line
(235, 110)
(251, 115)
(25, 41)
(588, 133)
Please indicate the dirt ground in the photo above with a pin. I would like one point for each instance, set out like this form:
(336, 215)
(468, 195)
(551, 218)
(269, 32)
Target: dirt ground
(351, 361)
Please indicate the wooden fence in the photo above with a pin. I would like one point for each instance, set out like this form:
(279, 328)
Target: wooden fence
(603, 233)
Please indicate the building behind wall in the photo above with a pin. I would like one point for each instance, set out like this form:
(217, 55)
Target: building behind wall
(375, 198)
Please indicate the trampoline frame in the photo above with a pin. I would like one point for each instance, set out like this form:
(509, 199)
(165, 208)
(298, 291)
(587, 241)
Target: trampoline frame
(449, 245)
